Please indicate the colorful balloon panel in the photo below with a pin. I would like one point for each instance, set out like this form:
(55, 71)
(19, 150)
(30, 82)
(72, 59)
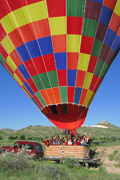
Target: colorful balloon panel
(59, 51)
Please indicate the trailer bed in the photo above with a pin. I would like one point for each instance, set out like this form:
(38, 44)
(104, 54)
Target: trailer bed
(79, 153)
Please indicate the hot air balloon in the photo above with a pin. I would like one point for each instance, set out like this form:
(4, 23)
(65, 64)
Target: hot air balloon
(59, 51)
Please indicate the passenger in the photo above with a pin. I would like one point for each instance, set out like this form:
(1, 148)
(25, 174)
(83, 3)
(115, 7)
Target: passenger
(78, 141)
(66, 141)
(70, 142)
(80, 138)
(57, 141)
(54, 139)
(46, 141)
(84, 138)
(88, 140)
(83, 142)
(74, 140)
(62, 140)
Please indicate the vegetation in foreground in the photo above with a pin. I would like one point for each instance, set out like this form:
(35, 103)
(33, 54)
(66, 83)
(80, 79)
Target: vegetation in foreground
(50, 171)
(20, 167)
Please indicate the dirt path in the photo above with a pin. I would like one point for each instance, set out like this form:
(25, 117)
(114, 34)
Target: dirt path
(104, 153)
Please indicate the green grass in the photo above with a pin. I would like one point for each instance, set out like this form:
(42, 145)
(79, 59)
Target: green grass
(112, 156)
(44, 170)
(105, 144)
(117, 165)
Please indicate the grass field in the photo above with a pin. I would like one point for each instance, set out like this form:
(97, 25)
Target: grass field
(46, 170)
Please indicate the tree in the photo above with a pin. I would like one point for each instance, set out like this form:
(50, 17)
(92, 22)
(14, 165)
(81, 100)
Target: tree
(1, 138)
(113, 138)
(10, 138)
(29, 138)
(22, 137)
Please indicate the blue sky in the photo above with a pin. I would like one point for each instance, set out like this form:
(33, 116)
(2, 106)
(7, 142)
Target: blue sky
(18, 111)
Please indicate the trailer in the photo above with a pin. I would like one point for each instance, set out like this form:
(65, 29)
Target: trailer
(80, 153)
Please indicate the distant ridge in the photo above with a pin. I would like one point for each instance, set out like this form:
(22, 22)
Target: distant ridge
(108, 124)
(6, 130)
(103, 122)
(102, 129)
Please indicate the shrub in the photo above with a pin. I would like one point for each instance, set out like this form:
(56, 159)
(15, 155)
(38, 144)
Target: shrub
(113, 138)
(1, 138)
(15, 137)
(22, 137)
(15, 161)
(30, 138)
(117, 157)
(10, 138)
(54, 172)
(112, 156)
(70, 162)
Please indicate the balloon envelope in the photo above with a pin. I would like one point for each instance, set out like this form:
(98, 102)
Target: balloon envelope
(59, 51)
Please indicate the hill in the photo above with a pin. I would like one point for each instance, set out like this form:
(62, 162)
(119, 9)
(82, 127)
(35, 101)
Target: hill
(105, 124)
(2, 133)
(41, 131)
(37, 131)
(7, 130)
(103, 129)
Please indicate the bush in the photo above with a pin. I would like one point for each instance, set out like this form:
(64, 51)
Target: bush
(29, 138)
(1, 138)
(15, 137)
(113, 138)
(70, 162)
(117, 157)
(54, 172)
(22, 137)
(11, 138)
(15, 161)
(112, 156)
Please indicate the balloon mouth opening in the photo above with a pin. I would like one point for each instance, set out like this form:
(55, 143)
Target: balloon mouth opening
(66, 116)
